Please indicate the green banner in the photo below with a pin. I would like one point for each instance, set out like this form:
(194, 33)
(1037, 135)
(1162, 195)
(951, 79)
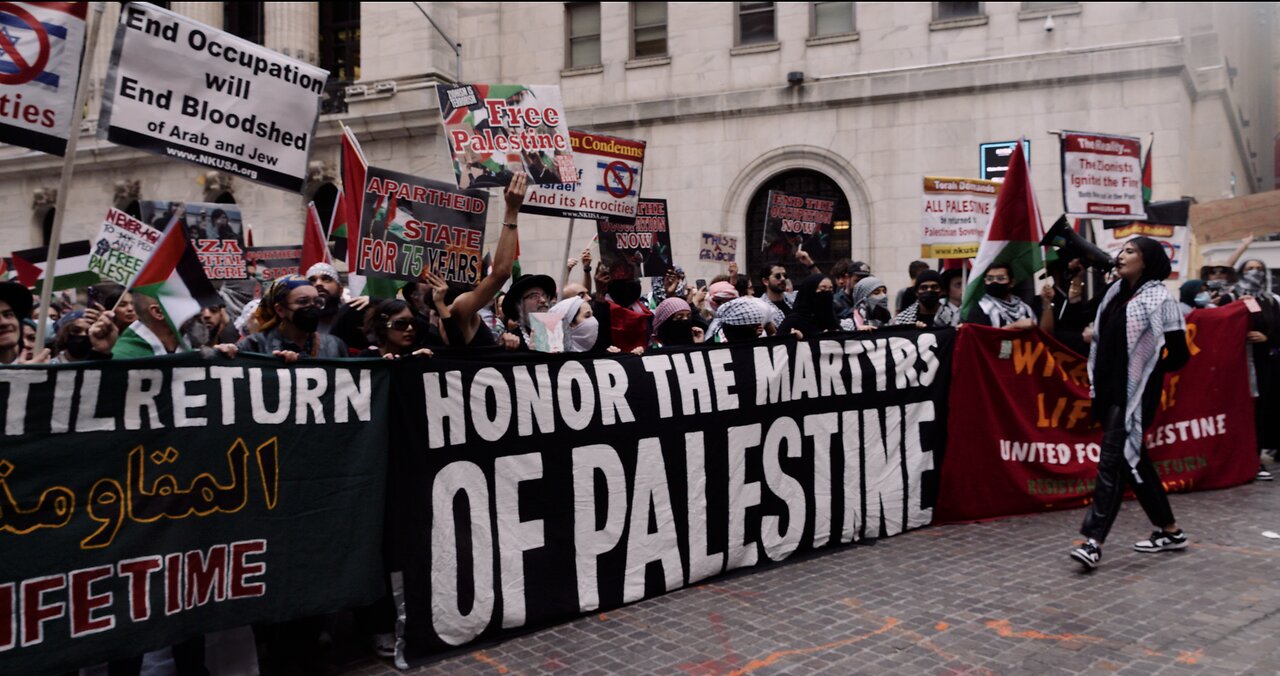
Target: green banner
(146, 501)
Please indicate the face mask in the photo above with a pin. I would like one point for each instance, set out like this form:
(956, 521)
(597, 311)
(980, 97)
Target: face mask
(738, 334)
(624, 292)
(998, 289)
(676, 332)
(878, 301)
(1202, 299)
(929, 298)
(306, 319)
(823, 299)
(79, 346)
(582, 337)
(1255, 277)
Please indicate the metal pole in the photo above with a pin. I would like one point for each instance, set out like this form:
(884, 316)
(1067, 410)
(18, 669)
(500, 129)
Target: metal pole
(568, 239)
(68, 168)
(455, 46)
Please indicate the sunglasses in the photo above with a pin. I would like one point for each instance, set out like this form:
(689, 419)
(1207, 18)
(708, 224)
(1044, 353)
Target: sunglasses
(400, 324)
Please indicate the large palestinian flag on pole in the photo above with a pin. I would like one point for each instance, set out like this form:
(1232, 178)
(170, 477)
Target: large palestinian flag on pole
(72, 272)
(175, 278)
(1014, 236)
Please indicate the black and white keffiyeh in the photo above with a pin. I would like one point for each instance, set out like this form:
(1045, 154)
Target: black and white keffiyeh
(1005, 311)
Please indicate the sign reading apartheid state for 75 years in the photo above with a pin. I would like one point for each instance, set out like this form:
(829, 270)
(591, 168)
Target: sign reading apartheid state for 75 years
(644, 244)
(1102, 176)
(793, 222)
(1021, 404)
(537, 488)
(413, 224)
(123, 244)
(954, 215)
(191, 92)
(143, 502)
(39, 72)
(496, 130)
(608, 181)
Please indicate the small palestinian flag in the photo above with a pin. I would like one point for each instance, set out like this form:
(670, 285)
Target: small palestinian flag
(313, 241)
(1146, 174)
(354, 168)
(71, 272)
(174, 276)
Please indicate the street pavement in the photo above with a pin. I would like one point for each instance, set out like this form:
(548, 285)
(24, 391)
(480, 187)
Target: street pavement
(994, 597)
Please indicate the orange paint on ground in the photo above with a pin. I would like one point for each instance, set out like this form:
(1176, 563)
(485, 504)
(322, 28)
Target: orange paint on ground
(602, 617)
(771, 658)
(481, 657)
(941, 626)
(1005, 629)
(1185, 657)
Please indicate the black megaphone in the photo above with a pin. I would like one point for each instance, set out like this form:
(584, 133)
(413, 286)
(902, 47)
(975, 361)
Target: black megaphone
(1070, 246)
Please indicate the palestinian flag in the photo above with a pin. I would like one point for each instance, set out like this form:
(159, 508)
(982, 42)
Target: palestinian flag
(354, 168)
(174, 276)
(1014, 236)
(313, 241)
(1146, 174)
(380, 288)
(71, 272)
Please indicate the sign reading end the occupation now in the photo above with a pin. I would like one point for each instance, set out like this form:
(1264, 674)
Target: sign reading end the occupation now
(179, 88)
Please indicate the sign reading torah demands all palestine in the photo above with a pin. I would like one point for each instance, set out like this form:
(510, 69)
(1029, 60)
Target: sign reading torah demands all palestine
(39, 72)
(190, 92)
(496, 130)
(609, 172)
(954, 215)
(1102, 176)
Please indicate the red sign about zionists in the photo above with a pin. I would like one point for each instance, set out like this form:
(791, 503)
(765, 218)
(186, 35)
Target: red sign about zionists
(1102, 176)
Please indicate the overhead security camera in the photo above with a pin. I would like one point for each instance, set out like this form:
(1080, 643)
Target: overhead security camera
(1048, 24)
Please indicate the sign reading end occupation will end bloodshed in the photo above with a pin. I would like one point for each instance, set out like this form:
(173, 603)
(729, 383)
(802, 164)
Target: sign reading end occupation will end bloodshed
(954, 215)
(608, 184)
(1102, 176)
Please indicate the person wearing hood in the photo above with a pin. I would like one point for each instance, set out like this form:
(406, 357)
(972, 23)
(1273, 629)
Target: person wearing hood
(1193, 296)
(999, 306)
(814, 312)
(1139, 337)
(870, 306)
(624, 317)
(581, 329)
(927, 310)
(673, 325)
(288, 318)
(1260, 342)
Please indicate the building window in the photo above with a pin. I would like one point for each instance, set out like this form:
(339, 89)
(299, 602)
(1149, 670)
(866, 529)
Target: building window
(340, 40)
(244, 19)
(755, 23)
(831, 18)
(584, 34)
(1033, 6)
(943, 11)
(781, 249)
(648, 29)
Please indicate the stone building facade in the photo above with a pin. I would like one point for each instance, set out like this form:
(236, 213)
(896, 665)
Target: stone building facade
(856, 99)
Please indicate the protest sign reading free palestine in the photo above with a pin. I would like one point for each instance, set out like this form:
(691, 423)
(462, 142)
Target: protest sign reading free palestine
(179, 88)
(122, 246)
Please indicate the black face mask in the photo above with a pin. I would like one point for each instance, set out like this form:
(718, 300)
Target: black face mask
(739, 334)
(999, 290)
(79, 347)
(306, 319)
(676, 332)
(929, 298)
(823, 299)
(624, 292)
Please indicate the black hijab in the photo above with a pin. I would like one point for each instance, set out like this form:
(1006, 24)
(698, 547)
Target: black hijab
(814, 311)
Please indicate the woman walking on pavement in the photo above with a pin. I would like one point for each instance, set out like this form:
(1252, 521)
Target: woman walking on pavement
(1137, 323)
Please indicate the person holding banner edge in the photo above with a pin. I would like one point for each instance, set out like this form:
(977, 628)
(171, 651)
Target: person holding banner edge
(1140, 335)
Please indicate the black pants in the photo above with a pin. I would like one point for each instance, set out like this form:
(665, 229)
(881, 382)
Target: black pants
(1114, 474)
(188, 660)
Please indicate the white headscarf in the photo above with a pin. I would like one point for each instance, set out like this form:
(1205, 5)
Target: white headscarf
(582, 337)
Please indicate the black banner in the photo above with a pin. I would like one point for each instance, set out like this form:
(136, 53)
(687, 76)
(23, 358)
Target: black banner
(146, 501)
(534, 489)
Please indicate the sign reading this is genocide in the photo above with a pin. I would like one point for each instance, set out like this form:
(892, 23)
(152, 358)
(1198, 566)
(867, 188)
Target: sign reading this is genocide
(40, 48)
(190, 92)
(645, 244)
(608, 181)
(1102, 176)
(719, 248)
(122, 246)
(495, 130)
(797, 221)
(954, 216)
(413, 224)
(215, 230)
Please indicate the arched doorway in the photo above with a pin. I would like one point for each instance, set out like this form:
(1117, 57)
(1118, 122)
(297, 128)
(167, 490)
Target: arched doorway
(824, 251)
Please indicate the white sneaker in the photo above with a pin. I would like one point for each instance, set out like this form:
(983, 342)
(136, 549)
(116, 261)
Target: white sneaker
(1161, 541)
(1264, 475)
(384, 645)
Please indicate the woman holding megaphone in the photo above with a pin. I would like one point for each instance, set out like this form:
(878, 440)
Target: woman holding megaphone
(1138, 322)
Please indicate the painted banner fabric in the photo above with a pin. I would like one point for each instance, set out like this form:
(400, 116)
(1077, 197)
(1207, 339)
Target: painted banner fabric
(146, 501)
(495, 130)
(43, 43)
(1023, 438)
(547, 486)
(609, 173)
(645, 244)
(412, 224)
(216, 231)
(1102, 176)
(179, 88)
(795, 222)
(719, 248)
(1173, 238)
(954, 216)
(268, 263)
(122, 246)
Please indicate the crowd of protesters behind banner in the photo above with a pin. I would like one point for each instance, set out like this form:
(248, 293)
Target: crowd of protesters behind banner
(604, 310)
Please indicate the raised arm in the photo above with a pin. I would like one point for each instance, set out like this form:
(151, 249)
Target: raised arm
(468, 304)
(1235, 255)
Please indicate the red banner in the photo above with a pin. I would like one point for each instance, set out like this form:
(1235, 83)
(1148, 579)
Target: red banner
(1022, 438)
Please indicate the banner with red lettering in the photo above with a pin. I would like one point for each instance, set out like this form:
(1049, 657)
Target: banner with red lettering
(1022, 438)
(794, 222)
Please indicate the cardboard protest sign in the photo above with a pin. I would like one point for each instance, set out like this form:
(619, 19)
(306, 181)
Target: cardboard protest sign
(719, 248)
(123, 244)
(609, 172)
(215, 230)
(268, 263)
(1102, 176)
(1173, 238)
(797, 221)
(954, 215)
(39, 72)
(179, 88)
(644, 244)
(412, 224)
(495, 130)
